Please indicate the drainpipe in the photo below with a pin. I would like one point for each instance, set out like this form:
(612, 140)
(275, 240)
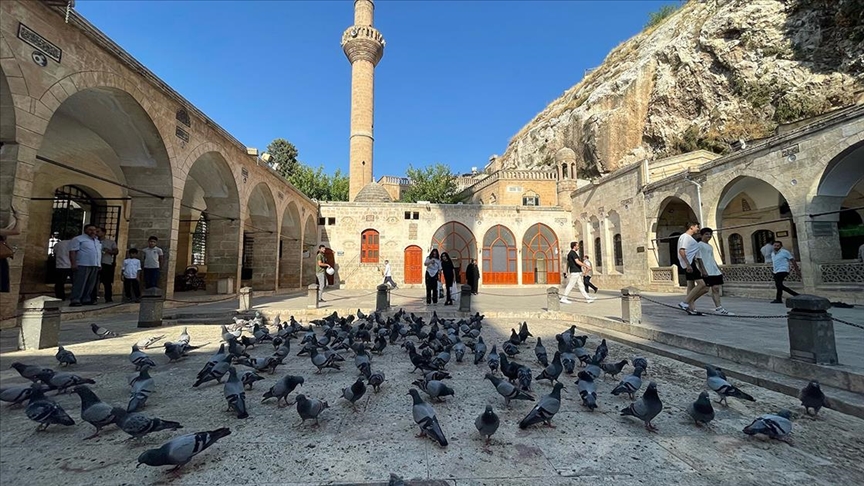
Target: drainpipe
(698, 196)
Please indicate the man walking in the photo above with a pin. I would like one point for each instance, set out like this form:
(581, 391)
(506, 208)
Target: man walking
(106, 275)
(688, 252)
(574, 268)
(321, 267)
(388, 275)
(782, 262)
(85, 256)
(587, 274)
(767, 250)
(711, 274)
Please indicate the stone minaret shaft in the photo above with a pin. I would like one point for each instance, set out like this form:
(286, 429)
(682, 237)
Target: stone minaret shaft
(364, 47)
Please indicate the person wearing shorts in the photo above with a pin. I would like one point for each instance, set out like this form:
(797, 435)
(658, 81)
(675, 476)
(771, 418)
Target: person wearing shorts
(711, 274)
(688, 253)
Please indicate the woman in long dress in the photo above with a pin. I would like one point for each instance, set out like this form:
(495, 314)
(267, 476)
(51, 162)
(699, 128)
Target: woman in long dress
(472, 276)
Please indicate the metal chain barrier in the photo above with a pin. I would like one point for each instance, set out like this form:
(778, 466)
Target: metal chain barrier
(841, 321)
(231, 297)
(714, 314)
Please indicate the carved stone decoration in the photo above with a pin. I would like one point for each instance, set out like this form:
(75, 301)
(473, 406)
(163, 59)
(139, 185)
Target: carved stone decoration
(842, 272)
(183, 117)
(348, 221)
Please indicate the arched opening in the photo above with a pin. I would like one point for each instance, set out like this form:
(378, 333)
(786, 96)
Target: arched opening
(564, 171)
(757, 211)
(618, 252)
(260, 249)
(211, 197)
(414, 265)
(837, 233)
(291, 248)
(369, 246)
(499, 257)
(736, 249)
(310, 249)
(671, 222)
(458, 241)
(540, 256)
(613, 228)
(598, 253)
(102, 139)
(9, 150)
(596, 240)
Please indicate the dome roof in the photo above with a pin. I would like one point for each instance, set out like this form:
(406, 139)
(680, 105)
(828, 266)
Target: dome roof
(565, 154)
(373, 192)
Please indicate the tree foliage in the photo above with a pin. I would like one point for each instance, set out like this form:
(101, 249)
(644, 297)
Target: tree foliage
(654, 18)
(311, 182)
(283, 157)
(434, 183)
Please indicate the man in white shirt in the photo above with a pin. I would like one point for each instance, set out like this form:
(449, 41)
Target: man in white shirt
(783, 262)
(62, 267)
(688, 252)
(861, 253)
(711, 274)
(85, 258)
(106, 273)
(388, 275)
(767, 250)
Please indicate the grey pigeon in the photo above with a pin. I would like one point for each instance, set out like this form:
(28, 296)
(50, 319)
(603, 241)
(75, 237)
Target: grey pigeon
(775, 426)
(640, 361)
(545, 409)
(459, 351)
(321, 361)
(493, 360)
(181, 450)
(142, 386)
(93, 410)
(184, 338)
(235, 394)
(282, 389)
(723, 387)
(434, 388)
(395, 480)
(354, 392)
(630, 384)
(65, 357)
(510, 349)
(145, 343)
(248, 378)
(213, 361)
(701, 411)
(646, 408)
(479, 350)
(587, 389)
(45, 411)
(16, 395)
(375, 380)
(29, 372)
(553, 371)
(310, 408)
(217, 372)
(613, 368)
(102, 332)
(424, 416)
(540, 352)
(63, 381)
(487, 423)
(812, 397)
(139, 358)
(138, 425)
(508, 390)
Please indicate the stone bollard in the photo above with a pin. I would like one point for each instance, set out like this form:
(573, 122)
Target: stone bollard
(811, 330)
(313, 296)
(245, 298)
(631, 306)
(465, 299)
(40, 324)
(382, 300)
(553, 301)
(150, 310)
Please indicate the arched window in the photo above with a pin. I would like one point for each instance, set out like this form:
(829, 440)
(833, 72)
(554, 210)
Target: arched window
(499, 256)
(530, 199)
(369, 246)
(619, 251)
(736, 249)
(199, 241)
(73, 208)
(598, 254)
(564, 171)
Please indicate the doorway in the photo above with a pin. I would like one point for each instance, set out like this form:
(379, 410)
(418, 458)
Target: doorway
(413, 265)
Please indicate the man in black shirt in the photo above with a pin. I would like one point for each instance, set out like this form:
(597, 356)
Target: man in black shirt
(574, 267)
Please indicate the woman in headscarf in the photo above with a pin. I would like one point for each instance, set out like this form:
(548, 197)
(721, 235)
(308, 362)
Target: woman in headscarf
(433, 271)
(449, 275)
(472, 276)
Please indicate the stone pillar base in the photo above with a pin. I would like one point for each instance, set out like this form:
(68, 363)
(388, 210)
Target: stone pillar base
(245, 299)
(553, 300)
(40, 324)
(382, 300)
(811, 330)
(150, 310)
(631, 306)
(312, 296)
(465, 299)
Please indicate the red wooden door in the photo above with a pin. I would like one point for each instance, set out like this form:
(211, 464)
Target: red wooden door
(331, 260)
(413, 265)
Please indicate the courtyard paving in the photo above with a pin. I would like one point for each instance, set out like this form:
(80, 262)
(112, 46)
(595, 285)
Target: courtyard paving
(364, 447)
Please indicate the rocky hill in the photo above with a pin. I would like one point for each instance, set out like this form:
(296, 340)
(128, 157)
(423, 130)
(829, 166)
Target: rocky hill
(713, 72)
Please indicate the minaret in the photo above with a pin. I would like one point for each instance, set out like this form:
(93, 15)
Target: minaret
(364, 47)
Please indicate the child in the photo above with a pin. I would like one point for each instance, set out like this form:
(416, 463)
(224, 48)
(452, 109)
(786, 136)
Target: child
(131, 271)
(152, 263)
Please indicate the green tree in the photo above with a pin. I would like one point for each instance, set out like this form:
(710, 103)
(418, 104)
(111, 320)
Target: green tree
(339, 186)
(283, 157)
(312, 182)
(434, 183)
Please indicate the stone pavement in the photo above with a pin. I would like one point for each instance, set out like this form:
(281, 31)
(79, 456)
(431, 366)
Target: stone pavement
(363, 447)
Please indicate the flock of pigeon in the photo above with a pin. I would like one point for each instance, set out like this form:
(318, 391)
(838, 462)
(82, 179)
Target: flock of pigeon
(429, 347)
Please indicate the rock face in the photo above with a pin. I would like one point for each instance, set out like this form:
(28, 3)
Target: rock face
(713, 72)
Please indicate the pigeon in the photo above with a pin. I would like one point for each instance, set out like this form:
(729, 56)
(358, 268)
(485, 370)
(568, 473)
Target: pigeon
(181, 450)
(184, 338)
(375, 380)
(145, 343)
(354, 392)
(524, 333)
(139, 358)
(812, 397)
(723, 387)
(424, 416)
(701, 411)
(65, 357)
(514, 338)
(16, 395)
(29, 372)
(395, 480)
(45, 411)
(102, 332)
(545, 409)
(524, 376)
(775, 426)
(459, 350)
(282, 389)
(434, 388)
(510, 349)
(216, 372)
(593, 368)
(235, 394)
(479, 351)
(640, 362)
(138, 425)
(321, 361)
(630, 384)
(540, 352)
(62, 381)
(93, 410)
(646, 408)
(507, 390)
(310, 408)
(613, 369)
(213, 361)
(493, 361)
(553, 371)
(142, 386)
(248, 378)
(587, 389)
(487, 423)
(602, 351)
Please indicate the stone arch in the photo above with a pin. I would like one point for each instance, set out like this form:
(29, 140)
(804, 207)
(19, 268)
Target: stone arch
(838, 193)
(541, 261)
(260, 236)
(499, 256)
(458, 241)
(310, 247)
(290, 248)
(614, 245)
(672, 217)
(9, 155)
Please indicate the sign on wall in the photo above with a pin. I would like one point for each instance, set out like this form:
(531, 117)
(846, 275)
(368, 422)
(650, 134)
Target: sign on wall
(30, 36)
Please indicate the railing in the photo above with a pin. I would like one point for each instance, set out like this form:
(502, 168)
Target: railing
(850, 271)
(665, 275)
(753, 272)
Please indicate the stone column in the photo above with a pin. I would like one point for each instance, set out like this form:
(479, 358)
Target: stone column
(631, 306)
(382, 301)
(811, 330)
(465, 299)
(312, 296)
(40, 324)
(151, 216)
(223, 250)
(150, 310)
(553, 300)
(245, 298)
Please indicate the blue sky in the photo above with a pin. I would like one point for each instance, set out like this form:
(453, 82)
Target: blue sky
(457, 80)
